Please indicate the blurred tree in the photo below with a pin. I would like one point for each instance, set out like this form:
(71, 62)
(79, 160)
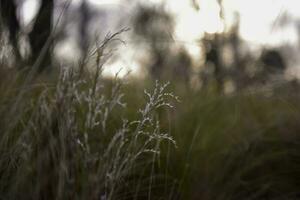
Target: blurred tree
(10, 22)
(39, 37)
(83, 26)
(273, 61)
(239, 62)
(213, 47)
(232, 67)
(226, 58)
(154, 26)
(213, 44)
(182, 65)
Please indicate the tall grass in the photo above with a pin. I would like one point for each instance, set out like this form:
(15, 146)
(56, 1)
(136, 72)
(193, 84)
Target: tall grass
(69, 138)
(244, 146)
(83, 136)
(79, 135)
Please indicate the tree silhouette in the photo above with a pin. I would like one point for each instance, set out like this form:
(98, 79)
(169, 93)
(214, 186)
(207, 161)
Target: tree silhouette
(154, 27)
(85, 18)
(10, 22)
(273, 61)
(213, 44)
(39, 37)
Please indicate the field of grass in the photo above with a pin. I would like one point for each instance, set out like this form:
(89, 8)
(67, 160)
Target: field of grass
(84, 136)
(239, 146)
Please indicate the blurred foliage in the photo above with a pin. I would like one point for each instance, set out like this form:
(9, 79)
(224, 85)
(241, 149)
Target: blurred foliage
(242, 146)
(227, 61)
(154, 27)
(236, 126)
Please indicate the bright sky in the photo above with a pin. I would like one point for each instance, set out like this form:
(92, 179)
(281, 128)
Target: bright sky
(257, 16)
(256, 19)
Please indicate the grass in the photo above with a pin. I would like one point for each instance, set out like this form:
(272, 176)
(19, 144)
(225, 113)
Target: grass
(70, 139)
(79, 135)
(95, 138)
(237, 147)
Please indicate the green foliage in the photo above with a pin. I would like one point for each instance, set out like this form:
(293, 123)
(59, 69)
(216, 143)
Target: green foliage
(237, 147)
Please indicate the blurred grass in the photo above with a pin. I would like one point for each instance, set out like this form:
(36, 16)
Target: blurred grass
(238, 146)
(69, 138)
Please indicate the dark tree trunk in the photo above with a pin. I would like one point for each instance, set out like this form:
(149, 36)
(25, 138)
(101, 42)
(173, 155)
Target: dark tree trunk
(8, 12)
(40, 36)
(83, 27)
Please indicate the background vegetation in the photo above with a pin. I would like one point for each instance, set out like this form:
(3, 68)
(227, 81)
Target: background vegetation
(227, 130)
